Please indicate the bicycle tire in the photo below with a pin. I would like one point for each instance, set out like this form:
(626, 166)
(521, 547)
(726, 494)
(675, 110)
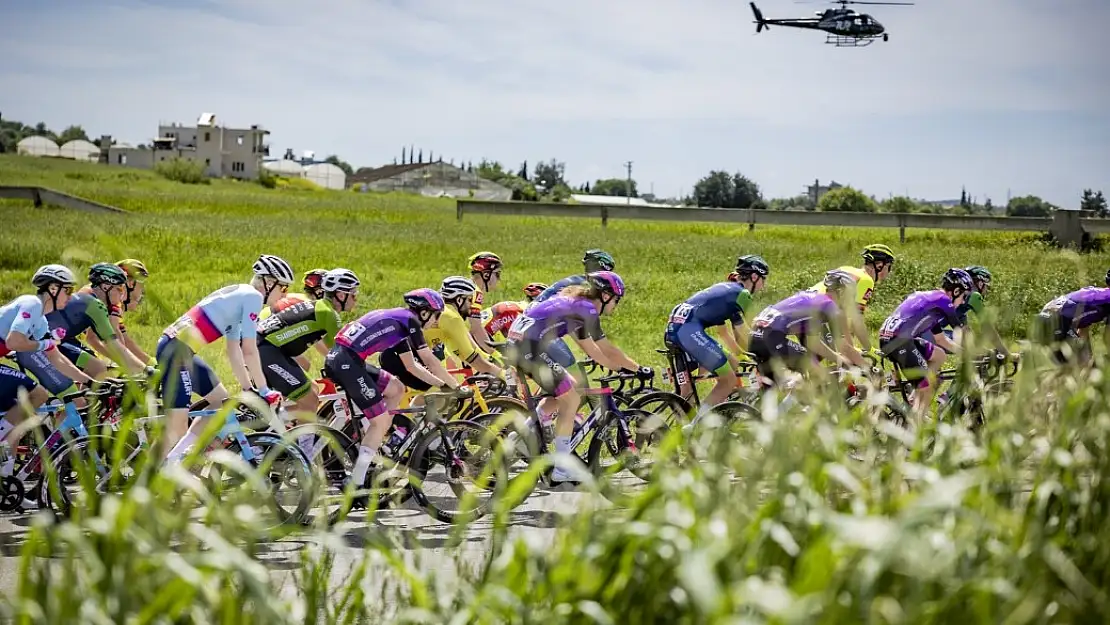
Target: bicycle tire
(61, 506)
(677, 405)
(295, 459)
(429, 452)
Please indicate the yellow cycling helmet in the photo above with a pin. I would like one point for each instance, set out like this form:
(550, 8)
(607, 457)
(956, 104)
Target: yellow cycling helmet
(135, 269)
(877, 252)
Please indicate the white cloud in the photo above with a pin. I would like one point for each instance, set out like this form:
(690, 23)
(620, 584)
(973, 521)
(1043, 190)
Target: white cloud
(361, 77)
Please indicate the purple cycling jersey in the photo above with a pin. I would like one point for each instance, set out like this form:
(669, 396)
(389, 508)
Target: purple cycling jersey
(918, 314)
(378, 330)
(795, 314)
(556, 318)
(1084, 307)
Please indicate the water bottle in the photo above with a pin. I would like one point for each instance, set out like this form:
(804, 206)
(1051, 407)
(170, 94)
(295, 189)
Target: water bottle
(394, 441)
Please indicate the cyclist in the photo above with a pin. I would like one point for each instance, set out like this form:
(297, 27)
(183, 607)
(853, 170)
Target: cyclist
(24, 332)
(878, 262)
(55, 285)
(312, 292)
(134, 290)
(535, 348)
(981, 281)
(373, 390)
(1067, 320)
(88, 310)
(909, 337)
(485, 271)
(448, 335)
(723, 303)
(230, 313)
(808, 316)
(285, 336)
(497, 319)
(592, 260)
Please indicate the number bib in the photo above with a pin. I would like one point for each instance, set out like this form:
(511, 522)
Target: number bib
(890, 327)
(520, 326)
(681, 313)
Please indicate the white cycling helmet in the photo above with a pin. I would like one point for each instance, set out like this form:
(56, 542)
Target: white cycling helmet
(339, 279)
(273, 267)
(457, 286)
(53, 274)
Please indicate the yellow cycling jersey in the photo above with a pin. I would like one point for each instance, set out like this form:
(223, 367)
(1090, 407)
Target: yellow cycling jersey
(453, 333)
(865, 285)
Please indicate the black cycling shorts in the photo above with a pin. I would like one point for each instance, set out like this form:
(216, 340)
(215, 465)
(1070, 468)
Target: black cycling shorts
(391, 361)
(364, 383)
(910, 356)
(770, 346)
(283, 374)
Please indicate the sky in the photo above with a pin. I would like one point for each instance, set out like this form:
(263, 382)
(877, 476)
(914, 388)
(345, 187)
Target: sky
(998, 96)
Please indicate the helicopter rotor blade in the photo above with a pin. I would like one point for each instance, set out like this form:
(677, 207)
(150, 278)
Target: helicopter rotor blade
(882, 3)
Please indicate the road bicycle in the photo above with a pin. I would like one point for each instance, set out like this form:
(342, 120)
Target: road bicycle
(449, 467)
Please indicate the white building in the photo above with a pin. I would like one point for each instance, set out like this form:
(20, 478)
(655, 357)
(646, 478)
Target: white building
(80, 150)
(37, 146)
(326, 175)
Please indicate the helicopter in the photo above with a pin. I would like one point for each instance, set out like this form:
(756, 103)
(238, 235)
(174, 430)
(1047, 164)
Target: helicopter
(844, 27)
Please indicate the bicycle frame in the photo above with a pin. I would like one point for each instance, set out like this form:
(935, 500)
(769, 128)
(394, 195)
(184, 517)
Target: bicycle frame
(71, 423)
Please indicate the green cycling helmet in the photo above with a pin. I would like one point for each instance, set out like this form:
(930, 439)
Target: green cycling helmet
(107, 273)
(752, 263)
(598, 260)
(979, 272)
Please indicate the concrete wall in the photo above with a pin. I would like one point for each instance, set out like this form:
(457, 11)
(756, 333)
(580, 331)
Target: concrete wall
(39, 196)
(1066, 226)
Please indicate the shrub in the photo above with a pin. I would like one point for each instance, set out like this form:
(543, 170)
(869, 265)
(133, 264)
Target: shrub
(267, 179)
(182, 170)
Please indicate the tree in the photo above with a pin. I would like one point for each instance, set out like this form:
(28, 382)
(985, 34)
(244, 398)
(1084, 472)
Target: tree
(491, 170)
(341, 164)
(846, 200)
(617, 187)
(1029, 206)
(899, 204)
(549, 175)
(586, 187)
(1094, 202)
(420, 158)
(72, 133)
(716, 190)
(403, 155)
(963, 196)
(798, 202)
(746, 193)
(523, 173)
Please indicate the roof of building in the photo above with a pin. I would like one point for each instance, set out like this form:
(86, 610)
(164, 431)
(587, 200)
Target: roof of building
(371, 174)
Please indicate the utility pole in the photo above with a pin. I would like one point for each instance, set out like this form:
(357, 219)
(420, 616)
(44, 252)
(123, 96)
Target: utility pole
(628, 183)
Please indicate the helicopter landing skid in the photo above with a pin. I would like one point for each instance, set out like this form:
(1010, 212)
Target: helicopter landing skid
(844, 41)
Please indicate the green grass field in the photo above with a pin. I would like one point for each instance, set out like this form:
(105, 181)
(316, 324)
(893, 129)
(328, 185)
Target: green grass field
(197, 238)
(813, 519)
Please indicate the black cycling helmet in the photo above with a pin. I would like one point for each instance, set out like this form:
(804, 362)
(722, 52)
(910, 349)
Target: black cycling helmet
(957, 279)
(1108, 277)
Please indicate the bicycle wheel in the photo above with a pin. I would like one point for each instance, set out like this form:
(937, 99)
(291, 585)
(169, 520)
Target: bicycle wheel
(332, 454)
(630, 448)
(460, 482)
(672, 409)
(84, 469)
(287, 476)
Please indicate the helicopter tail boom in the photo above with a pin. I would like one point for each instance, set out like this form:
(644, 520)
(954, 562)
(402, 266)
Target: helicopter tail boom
(760, 23)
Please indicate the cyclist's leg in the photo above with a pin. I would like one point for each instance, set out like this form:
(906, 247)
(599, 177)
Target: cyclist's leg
(286, 377)
(549, 371)
(914, 367)
(184, 373)
(682, 363)
(39, 366)
(83, 359)
(391, 363)
(371, 390)
(12, 382)
(708, 354)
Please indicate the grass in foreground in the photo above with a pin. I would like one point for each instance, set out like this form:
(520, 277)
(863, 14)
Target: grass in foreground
(782, 525)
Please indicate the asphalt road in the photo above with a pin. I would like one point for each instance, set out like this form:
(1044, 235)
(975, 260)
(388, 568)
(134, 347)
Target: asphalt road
(423, 541)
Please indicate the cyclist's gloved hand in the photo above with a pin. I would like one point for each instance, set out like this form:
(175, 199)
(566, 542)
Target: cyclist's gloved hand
(150, 371)
(270, 396)
(645, 373)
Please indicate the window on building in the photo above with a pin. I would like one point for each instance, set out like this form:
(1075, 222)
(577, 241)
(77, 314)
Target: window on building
(122, 158)
(238, 166)
(207, 136)
(239, 139)
(207, 162)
